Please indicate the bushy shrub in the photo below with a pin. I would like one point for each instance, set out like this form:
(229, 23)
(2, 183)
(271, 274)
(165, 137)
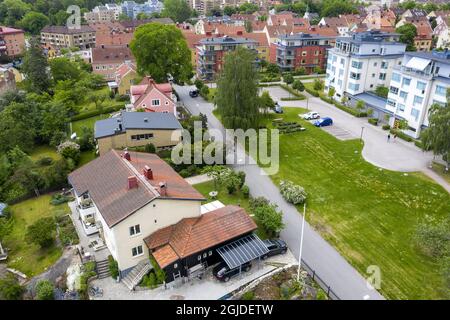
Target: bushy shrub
(386, 127)
(44, 161)
(10, 288)
(245, 191)
(149, 280)
(241, 176)
(122, 98)
(42, 232)
(292, 193)
(70, 150)
(249, 295)
(373, 121)
(44, 290)
(150, 148)
(159, 273)
(113, 267)
(59, 199)
(401, 135)
(269, 217)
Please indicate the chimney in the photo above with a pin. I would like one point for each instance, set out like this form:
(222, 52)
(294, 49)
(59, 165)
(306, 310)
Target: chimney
(163, 189)
(148, 173)
(127, 155)
(132, 182)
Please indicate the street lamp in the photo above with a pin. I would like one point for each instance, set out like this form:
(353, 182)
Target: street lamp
(301, 243)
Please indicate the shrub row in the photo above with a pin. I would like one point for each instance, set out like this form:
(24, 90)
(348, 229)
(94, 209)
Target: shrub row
(401, 135)
(373, 121)
(292, 99)
(293, 92)
(96, 112)
(386, 127)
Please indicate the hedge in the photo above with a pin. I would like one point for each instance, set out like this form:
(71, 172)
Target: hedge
(293, 92)
(401, 135)
(386, 127)
(373, 121)
(96, 112)
(292, 99)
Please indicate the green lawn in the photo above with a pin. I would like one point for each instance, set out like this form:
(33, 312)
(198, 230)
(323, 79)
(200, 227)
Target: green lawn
(88, 106)
(86, 156)
(89, 123)
(44, 151)
(370, 215)
(440, 170)
(23, 255)
(235, 199)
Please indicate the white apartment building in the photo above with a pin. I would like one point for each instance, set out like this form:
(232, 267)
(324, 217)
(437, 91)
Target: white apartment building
(362, 62)
(420, 81)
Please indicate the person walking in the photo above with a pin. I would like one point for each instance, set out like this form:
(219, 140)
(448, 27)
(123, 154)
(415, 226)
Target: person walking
(395, 136)
(389, 137)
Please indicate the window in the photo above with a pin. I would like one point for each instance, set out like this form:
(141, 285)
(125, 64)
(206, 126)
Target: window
(403, 95)
(391, 102)
(382, 76)
(342, 61)
(375, 64)
(205, 255)
(406, 82)
(304, 53)
(421, 85)
(155, 102)
(373, 75)
(355, 76)
(396, 77)
(209, 253)
(440, 90)
(145, 136)
(333, 69)
(334, 58)
(341, 72)
(340, 84)
(353, 86)
(384, 65)
(418, 100)
(401, 107)
(135, 230)
(136, 251)
(415, 113)
(199, 257)
(393, 90)
(356, 64)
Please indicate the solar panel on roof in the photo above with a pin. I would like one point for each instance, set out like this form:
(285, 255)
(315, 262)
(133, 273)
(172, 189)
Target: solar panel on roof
(242, 250)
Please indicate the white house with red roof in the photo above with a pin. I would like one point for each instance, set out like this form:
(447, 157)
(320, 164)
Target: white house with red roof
(153, 97)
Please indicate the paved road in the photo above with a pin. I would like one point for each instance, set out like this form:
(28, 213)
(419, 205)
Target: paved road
(344, 280)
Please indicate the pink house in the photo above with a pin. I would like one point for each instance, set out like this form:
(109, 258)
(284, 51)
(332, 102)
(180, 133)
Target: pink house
(153, 97)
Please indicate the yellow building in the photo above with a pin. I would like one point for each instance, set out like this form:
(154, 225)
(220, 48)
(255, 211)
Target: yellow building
(125, 77)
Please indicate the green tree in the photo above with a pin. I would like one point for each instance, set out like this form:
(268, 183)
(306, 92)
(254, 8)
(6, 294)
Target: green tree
(124, 17)
(12, 11)
(248, 8)
(270, 218)
(44, 290)
(360, 105)
(229, 10)
(161, 50)
(42, 232)
(272, 68)
(177, 10)
(142, 16)
(248, 26)
(298, 85)
(86, 139)
(288, 78)
(331, 92)
(33, 22)
(70, 150)
(64, 69)
(437, 136)
(10, 289)
(318, 85)
(198, 84)
(237, 90)
(266, 101)
(407, 34)
(333, 8)
(35, 68)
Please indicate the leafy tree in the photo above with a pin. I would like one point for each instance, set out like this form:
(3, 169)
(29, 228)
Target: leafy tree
(360, 105)
(59, 18)
(150, 148)
(331, 92)
(300, 71)
(44, 290)
(318, 85)
(86, 139)
(248, 8)
(64, 69)
(70, 150)
(248, 26)
(382, 91)
(35, 68)
(33, 22)
(177, 10)
(42, 232)
(124, 17)
(407, 34)
(298, 85)
(12, 11)
(270, 218)
(142, 16)
(288, 78)
(237, 90)
(273, 68)
(161, 50)
(10, 289)
(333, 8)
(199, 84)
(266, 102)
(204, 92)
(437, 136)
(229, 10)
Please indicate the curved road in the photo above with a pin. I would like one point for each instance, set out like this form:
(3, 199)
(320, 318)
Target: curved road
(334, 270)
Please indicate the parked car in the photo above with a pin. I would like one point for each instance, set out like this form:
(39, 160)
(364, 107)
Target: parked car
(194, 93)
(223, 273)
(275, 246)
(278, 108)
(311, 115)
(323, 122)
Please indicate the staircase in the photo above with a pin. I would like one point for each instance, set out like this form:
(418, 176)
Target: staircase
(103, 269)
(136, 274)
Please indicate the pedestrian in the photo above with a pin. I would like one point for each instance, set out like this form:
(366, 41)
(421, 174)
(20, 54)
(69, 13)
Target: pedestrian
(389, 137)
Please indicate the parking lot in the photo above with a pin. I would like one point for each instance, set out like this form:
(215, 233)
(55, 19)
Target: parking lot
(207, 288)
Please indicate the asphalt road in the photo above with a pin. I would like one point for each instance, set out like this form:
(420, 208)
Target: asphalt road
(328, 264)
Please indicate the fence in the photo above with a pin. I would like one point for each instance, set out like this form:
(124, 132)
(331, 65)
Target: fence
(330, 293)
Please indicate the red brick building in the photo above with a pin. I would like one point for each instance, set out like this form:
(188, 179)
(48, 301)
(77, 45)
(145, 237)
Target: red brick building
(12, 42)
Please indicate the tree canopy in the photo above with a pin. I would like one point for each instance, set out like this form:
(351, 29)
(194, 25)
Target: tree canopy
(407, 34)
(33, 22)
(161, 50)
(35, 68)
(177, 10)
(237, 90)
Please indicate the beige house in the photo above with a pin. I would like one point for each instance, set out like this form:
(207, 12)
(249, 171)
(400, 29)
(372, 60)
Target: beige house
(137, 129)
(63, 37)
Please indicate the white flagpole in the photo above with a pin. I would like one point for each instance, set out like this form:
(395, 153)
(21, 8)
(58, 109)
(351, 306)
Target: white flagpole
(301, 243)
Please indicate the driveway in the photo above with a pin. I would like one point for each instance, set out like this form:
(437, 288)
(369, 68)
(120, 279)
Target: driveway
(206, 289)
(334, 270)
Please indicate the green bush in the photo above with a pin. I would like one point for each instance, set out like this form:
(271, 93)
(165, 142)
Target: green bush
(44, 161)
(150, 148)
(96, 112)
(373, 121)
(113, 267)
(386, 127)
(159, 273)
(122, 98)
(44, 290)
(402, 135)
(149, 280)
(245, 191)
(293, 92)
(420, 144)
(42, 232)
(249, 295)
(292, 193)
(60, 199)
(10, 288)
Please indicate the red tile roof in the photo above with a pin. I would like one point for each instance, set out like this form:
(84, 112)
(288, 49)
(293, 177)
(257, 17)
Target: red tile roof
(111, 54)
(192, 235)
(8, 30)
(105, 179)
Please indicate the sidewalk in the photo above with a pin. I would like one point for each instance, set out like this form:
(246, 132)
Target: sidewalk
(198, 179)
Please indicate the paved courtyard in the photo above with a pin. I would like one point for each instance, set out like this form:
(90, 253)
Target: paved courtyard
(206, 289)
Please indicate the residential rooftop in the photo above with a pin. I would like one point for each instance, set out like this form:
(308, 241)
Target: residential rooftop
(135, 121)
(66, 30)
(226, 40)
(371, 36)
(304, 36)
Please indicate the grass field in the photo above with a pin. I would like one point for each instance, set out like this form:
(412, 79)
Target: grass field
(440, 170)
(235, 199)
(370, 215)
(89, 123)
(24, 256)
(44, 151)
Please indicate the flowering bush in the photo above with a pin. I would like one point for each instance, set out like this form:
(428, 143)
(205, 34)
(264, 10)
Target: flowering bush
(69, 149)
(292, 193)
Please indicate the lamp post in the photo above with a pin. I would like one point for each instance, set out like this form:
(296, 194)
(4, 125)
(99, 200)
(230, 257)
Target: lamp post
(301, 243)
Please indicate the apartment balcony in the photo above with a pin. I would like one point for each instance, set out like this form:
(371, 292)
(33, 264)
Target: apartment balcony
(87, 213)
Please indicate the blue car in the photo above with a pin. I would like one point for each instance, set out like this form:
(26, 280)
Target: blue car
(323, 122)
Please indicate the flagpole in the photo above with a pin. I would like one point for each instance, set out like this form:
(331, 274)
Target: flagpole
(301, 243)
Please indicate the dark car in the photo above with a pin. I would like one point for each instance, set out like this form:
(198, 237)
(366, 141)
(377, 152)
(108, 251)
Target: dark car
(275, 246)
(193, 93)
(223, 273)
(323, 122)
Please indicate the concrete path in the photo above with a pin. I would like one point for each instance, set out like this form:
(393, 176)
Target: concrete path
(198, 179)
(334, 270)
